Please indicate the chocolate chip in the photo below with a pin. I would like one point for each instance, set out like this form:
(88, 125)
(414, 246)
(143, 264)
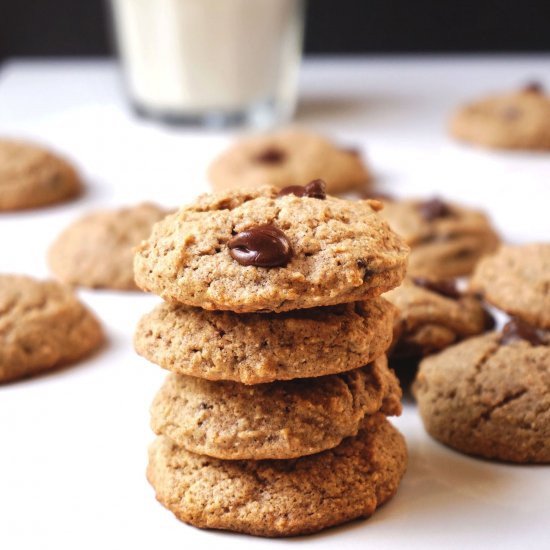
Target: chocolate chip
(533, 87)
(315, 189)
(272, 155)
(516, 329)
(445, 287)
(367, 273)
(433, 209)
(261, 246)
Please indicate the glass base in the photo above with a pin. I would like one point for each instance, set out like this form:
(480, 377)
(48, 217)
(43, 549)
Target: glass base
(262, 115)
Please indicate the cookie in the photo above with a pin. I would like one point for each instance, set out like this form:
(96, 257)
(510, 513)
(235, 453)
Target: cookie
(288, 157)
(446, 239)
(280, 498)
(257, 251)
(253, 348)
(489, 396)
(517, 120)
(42, 326)
(31, 176)
(280, 420)
(434, 315)
(96, 251)
(517, 280)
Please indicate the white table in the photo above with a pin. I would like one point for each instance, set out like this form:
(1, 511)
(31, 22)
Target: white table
(73, 443)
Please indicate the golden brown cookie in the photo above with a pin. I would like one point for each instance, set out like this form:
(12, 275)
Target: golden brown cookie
(31, 176)
(279, 498)
(288, 157)
(42, 326)
(517, 120)
(433, 315)
(256, 251)
(490, 396)
(446, 239)
(517, 280)
(96, 250)
(280, 420)
(262, 347)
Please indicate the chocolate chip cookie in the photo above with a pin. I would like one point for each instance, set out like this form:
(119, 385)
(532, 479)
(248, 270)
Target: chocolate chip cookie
(288, 157)
(490, 395)
(96, 251)
(42, 326)
(280, 420)
(260, 251)
(516, 120)
(433, 315)
(517, 280)
(281, 498)
(31, 176)
(262, 347)
(446, 239)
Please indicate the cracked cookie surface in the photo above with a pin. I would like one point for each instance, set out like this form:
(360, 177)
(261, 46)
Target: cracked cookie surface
(31, 176)
(517, 120)
(280, 498)
(96, 250)
(442, 246)
(253, 348)
(288, 157)
(428, 321)
(490, 399)
(42, 326)
(517, 280)
(279, 420)
(342, 252)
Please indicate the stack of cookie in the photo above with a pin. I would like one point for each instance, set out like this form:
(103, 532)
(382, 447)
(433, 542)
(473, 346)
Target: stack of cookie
(273, 421)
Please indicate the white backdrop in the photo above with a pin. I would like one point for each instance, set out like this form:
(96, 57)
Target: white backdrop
(73, 443)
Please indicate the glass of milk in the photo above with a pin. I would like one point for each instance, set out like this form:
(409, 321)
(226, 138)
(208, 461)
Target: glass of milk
(211, 62)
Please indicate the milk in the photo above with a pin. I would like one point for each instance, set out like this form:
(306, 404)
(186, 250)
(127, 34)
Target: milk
(197, 57)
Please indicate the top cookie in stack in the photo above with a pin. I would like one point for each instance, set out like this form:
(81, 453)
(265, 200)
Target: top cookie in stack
(274, 419)
(217, 252)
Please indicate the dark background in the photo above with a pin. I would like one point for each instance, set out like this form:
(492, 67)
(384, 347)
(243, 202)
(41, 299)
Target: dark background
(80, 28)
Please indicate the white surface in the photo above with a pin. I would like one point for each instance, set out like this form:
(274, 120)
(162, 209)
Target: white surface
(73, 443)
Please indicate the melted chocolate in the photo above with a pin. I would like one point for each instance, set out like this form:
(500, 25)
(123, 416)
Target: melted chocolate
(261, 246)
(434, 209)
(516, 329)
(271, 155)
(315, 189)
(533, 87)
